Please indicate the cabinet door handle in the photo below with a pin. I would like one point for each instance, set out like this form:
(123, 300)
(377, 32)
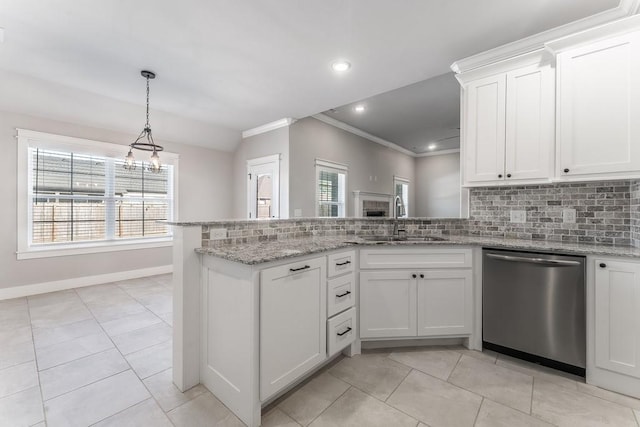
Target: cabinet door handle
(346, 331)
(342, 263)
(414, 276)
(422, 276)
(299, 269)
(566, 170)
(343, 295)
(508, 175)
(603, 265)
(499, 175)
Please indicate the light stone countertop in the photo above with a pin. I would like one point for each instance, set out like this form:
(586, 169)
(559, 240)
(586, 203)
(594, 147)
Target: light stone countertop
(258, 253)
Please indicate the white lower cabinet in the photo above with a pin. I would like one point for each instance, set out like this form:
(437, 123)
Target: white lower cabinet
(387, 304)
(617, 316)
(445, 302)
(416, 303)
(341, 331)
(293, 315)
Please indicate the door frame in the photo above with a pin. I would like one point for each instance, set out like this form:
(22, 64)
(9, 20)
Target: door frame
(266, 163)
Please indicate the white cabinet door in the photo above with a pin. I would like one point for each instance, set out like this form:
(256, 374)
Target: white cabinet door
(293, 317)
(387, 304)
(617, 316)
(530, 120)
(445, 302)
(485, 129)
(598, 107)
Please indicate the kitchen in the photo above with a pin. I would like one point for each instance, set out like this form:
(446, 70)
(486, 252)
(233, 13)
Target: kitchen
(380, 310)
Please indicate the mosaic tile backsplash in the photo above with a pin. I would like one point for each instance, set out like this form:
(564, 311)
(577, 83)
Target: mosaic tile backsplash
(607, 212)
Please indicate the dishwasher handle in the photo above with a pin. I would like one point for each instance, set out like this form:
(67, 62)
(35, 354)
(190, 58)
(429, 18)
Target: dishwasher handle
(543, 261)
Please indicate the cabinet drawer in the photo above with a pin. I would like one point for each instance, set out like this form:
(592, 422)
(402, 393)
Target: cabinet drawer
(340, 263)
(410, 258)
(341, 331)
(341, 294)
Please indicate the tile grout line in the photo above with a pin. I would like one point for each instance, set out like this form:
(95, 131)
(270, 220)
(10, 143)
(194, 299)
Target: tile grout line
(475, 420)
(128, 364)
(533, 385)
(35, 360)
(325, 409)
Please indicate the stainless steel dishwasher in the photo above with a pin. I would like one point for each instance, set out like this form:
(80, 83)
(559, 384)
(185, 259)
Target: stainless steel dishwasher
(533, 307)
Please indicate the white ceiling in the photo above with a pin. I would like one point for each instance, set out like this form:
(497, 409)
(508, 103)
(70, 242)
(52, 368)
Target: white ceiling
(240, 64)
(413, 117)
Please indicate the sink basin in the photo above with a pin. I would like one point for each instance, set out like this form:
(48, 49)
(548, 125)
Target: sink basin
(383, 239)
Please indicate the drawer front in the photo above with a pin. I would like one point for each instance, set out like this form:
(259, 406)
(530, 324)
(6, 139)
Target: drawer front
(341, 331)
(341, 263)
(410, 258)
(341, 294)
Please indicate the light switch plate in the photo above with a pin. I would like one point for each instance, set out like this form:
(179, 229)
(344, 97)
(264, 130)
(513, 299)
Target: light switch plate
(218, 233)
(569, 216)
(519, 216)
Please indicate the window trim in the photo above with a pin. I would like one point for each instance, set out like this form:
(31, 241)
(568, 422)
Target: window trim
(321, 164)
(27, 139)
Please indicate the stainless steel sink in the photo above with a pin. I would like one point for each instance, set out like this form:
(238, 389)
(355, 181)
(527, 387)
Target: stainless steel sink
(382, 239)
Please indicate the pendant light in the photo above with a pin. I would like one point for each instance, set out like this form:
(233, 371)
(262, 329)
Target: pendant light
(145, 142)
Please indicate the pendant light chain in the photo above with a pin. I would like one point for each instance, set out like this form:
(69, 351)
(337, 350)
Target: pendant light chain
(145, 140)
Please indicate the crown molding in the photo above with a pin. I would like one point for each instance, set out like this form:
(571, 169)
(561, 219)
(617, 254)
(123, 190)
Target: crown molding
(611, 29)
(537, 41)
(288, 121)
(341, 125)
(438, 153)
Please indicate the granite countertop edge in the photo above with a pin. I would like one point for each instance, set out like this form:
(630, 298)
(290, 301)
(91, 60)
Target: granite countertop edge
(263, 252)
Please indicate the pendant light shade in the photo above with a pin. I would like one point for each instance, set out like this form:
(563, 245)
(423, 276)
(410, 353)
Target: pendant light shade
(145, 142)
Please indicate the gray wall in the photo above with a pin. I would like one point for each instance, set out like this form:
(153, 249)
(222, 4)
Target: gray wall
(310, 139)
(264, 144)
(203, 182)
(438, 186)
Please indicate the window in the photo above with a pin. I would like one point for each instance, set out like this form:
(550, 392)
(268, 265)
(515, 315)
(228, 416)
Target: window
(401, 191)
(331, 188)
(75, 194)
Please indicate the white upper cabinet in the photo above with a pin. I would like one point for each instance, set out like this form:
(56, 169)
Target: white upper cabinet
(485, 130)
(530, 123)
(508, 122)
(598, 109)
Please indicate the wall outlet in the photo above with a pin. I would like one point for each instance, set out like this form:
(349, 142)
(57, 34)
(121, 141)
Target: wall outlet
(518, 216)
(218, 233)
(297, 213)
(569, 216)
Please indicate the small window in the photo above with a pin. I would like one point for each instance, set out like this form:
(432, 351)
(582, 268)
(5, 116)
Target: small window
(331, 188)
(401, 192)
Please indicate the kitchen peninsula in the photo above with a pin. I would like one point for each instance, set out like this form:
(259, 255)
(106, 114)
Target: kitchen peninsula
(258, 310)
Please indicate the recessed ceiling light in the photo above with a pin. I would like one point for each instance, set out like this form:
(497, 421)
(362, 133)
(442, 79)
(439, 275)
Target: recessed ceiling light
(358, 108)
(340, 66)
(431, 146)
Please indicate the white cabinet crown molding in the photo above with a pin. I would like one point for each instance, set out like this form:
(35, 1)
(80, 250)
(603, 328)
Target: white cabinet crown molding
(595, 34)
(537, 41)
(288, 121)
(537, 57)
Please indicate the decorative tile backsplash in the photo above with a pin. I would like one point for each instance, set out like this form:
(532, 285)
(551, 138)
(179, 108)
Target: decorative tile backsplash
(635, 213)
(606, 212)
(258, 231)
(602, 212)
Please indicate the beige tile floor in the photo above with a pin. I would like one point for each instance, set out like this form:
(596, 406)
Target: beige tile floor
(101, 355)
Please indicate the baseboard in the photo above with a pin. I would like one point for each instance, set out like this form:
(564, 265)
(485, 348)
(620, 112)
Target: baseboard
(78, 282)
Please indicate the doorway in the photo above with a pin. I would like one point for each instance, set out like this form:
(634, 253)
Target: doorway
(263, 187)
